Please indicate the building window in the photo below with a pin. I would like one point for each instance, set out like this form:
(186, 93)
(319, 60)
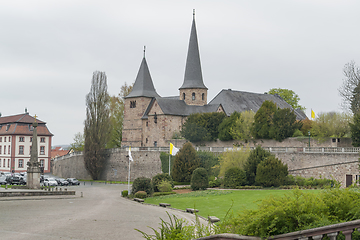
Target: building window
(155, 118)
(8, 149)
(4, 139)
(31, 139)
(42, 150)
(203, 96)
(0, 149)
(4, 149)
(30, 149)
(4, 163)
(146, 140)
(338, 139)
(193, 96)
(334, 140)
(0, 139)
(8, 162)
(21, 139)
(133, 104)
(21, 150)
(155, 143)
(147, 124)
(42, 139)
(41, 162)
(21, 163)
(9, 139)
(184, 96)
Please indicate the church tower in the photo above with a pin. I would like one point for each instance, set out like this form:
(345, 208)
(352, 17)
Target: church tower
(136, 103)
(193, 91)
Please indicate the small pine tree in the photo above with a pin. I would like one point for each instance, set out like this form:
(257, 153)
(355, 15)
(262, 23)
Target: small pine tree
(186, 161)
(256, 156)
(234, 177)
(271, 172)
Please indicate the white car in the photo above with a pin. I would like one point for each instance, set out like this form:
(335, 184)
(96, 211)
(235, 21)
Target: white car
(50, 182)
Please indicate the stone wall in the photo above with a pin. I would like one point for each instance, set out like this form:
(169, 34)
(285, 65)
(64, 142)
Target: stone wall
(145, 164)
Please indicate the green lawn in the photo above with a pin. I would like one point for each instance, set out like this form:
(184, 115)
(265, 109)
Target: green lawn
(217, 202)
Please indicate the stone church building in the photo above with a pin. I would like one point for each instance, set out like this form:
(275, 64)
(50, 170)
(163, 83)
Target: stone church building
(151, 120)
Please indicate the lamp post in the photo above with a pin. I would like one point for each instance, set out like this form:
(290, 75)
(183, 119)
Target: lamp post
(309, 140)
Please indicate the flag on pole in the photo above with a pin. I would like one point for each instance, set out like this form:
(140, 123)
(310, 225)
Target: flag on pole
(173, 149)
(130, 157)
(312, 114)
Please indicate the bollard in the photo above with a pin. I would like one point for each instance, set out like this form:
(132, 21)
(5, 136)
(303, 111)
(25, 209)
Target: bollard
(81, 194)
(5, 186)
(84, 183)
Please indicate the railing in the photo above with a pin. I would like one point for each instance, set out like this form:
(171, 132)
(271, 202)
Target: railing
(354, 150)
(346, 228)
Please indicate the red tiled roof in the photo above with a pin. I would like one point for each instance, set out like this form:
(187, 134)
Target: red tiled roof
(20, 118)
(58, 152)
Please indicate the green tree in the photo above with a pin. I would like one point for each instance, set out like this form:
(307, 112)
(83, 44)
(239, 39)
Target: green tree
(199, 179)
(208, 160)
(289, 96)
(355, 130)
(263, 120)
(271, 172)
(202, 127)
(234, 177)
(241, 129)
(78, 144)
(331, 124)
(233, 158)
(117, 116)
(350, 89)
(97, 125)
(226, 125)
(283, 124)
(186, 161)
(256, 156)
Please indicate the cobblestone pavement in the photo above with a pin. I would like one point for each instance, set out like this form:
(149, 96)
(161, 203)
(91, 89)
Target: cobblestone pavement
(100, 214)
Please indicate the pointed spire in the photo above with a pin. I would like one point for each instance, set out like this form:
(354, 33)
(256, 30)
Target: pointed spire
(143, 86)
(193, 75)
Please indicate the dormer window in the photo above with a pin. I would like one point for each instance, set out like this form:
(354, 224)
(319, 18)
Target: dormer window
(31, 128)
(193, 96)
(7, 127)
(132, 104)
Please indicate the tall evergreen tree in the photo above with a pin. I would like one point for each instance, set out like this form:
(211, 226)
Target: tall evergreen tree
(97, 125)
(284, 124)
(256, 156)
(186, 161)
(355, 130)
(263, 120)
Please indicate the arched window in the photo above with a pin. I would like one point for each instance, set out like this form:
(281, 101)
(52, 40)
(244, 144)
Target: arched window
(183, 96)
(193, 96)
(203, 96)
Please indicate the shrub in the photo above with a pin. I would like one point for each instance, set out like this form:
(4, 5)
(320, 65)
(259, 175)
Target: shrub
(142, 184)
(215, 182)
(165, 186)
(233, 158)
(256, 156)
(124, 193)
(158, 178)
(141, 194)
(199, 179)
(208, 160)
(234, 177)
(271, 172)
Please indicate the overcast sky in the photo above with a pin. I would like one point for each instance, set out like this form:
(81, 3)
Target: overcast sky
(49, 50)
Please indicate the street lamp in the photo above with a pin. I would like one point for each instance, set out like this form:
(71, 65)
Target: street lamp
(309, 139)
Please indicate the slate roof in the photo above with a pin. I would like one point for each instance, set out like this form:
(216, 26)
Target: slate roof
(21, 125)
(177, 107)
(143, 86)
(240, 101)
(193, 75)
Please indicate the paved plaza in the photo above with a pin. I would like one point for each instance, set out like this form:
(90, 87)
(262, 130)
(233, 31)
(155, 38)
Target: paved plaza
(100, 214)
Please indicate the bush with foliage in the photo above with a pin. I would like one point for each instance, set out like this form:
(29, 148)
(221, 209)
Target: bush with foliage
(186, 161)
(331, 124)
(208, 160)
(271, 172)
(141, 194)
(124, 193)
(283, 124)
(142, 184)
(241, 129)
(263, 120)
(234, 177)
(199, 179)
(233, 158)
(256, 156)
(158, 178)
(165, 186)
(215, 182)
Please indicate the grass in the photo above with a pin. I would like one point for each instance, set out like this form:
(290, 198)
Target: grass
(218, 202)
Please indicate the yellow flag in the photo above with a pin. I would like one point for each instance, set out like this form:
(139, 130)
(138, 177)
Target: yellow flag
(173, 149)
(312, 114)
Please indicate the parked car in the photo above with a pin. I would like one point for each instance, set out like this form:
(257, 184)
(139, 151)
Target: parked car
(13, 180)
(50, 182)
(61, 182)
(3, 180)
(23, 180)
(73, 181)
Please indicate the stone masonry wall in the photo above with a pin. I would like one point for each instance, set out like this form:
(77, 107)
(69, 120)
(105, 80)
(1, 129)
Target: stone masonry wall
(145, 164)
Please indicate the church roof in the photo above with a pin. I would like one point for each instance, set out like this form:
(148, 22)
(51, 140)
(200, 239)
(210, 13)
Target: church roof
(176, 107)
(244, 101)
(193, 75)
(20, 118)
(143, 86)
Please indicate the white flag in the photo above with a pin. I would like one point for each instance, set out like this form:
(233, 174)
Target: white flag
(130, 157)
(173, 149)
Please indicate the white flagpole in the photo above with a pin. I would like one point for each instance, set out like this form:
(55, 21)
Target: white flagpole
(129, 179)
(169, 163)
